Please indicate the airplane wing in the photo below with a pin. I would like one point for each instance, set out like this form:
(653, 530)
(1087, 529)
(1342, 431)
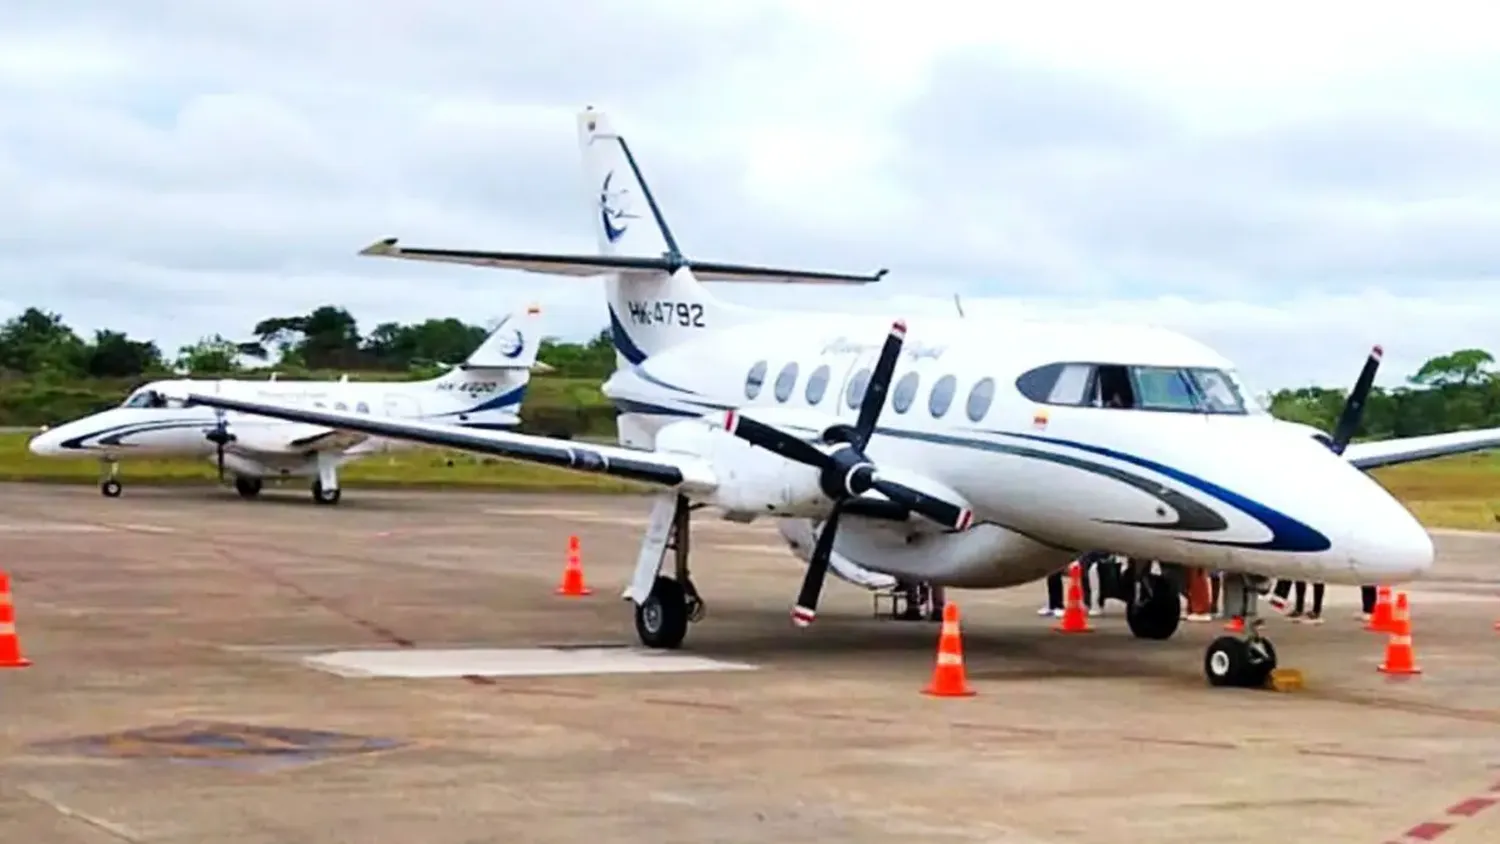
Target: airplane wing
(1372, 455)
(667, 470)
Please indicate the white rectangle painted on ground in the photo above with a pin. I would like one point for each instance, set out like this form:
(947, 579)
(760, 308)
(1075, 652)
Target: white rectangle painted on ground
(519, 662)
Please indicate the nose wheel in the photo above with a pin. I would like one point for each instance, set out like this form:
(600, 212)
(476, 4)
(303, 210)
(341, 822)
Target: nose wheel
(1240, 663)
(111, 488)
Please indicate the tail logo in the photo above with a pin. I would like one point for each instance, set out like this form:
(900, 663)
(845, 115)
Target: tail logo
(511, 343)
(612, 208)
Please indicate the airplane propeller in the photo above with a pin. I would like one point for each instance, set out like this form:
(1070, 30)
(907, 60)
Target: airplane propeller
(219, 435)
(1354, 405)
(845, 473)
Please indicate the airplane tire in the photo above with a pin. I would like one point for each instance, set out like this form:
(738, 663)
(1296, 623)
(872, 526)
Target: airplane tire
(1235, 662)
(325, 496)
(111, 488)
(661, 621)
(248, 487)
(1159, 616)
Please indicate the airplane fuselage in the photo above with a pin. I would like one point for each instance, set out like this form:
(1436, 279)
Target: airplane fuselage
(1176, 477)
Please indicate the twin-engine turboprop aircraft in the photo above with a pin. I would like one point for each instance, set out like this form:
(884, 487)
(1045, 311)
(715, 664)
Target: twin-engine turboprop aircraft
(483, 391)
(952, 451)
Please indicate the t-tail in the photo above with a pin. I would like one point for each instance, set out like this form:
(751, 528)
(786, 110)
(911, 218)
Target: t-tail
(654, 293)
(487, 388)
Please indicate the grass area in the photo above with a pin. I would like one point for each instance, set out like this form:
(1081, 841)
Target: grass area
(1455, 492)
(416, 468)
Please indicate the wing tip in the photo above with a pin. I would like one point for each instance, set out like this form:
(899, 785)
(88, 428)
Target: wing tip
(385, 246)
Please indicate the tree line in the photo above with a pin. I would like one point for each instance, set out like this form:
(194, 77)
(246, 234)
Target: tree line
(40, 344)
(1456, 391)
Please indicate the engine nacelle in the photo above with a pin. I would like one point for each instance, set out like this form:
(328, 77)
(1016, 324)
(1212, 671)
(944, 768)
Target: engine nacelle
(751, 481)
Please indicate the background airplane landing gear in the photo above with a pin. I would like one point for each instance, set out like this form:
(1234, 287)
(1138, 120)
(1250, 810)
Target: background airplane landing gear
(661, 621)
(325, 496)
(247, 487)
(1242, 663)
(111, 488)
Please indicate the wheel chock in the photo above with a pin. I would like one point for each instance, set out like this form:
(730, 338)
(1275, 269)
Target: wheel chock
(1285, 680)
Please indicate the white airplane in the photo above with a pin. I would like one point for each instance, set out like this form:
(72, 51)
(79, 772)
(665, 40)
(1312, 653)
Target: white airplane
(959, 452)
(483, 392)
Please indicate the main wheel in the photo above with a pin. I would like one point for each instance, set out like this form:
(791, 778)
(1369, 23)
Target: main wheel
(1232, 661)
(111, 488)
(661, 620)
(325, 496)
(247, 487)
(1158, 616)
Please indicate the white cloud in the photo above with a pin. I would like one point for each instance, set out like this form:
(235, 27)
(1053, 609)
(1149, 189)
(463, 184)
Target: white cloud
(1290, 183)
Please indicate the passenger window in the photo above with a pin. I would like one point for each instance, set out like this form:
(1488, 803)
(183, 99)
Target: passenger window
(855, 395)
(1163, 388)
(905, 392)
(817, 385)
(979, 399)
(340, 406)
(942, 396)
(785, 381)
(362, 407)
(755, 379)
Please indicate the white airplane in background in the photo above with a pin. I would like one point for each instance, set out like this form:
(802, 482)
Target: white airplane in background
(954, 451)
(485, 391)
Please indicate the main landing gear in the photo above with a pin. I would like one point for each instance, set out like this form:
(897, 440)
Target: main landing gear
(325, 489)
(664, 606)
(109, 485)
(248, 487)
(1154, 611)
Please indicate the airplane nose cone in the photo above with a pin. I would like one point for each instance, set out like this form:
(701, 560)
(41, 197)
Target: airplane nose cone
(41, 444)
(1390, 545)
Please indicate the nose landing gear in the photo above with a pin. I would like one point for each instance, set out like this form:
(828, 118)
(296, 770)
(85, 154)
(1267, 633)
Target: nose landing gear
(1241, 662)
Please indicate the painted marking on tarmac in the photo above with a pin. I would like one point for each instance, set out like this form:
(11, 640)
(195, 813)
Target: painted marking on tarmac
(51, 527)
(522, 662)
(777, 550)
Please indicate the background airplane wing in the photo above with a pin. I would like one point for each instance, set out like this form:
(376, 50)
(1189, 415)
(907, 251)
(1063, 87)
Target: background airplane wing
(649, 467)
(1371, 455)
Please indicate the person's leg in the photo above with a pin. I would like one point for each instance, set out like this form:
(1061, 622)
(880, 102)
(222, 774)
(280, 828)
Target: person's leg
(1215, 587)
(1054, 593)
(1316, 616)
(1300, 601)
(1367, 598)
(1088, 589)
(1279, 595)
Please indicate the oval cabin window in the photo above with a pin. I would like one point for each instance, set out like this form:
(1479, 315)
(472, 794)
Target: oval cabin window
(755, 379)
(904, 393)
(942, 396)
(786, 381)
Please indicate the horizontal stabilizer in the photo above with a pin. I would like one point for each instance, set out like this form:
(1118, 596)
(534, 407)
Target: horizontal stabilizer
(594, 265)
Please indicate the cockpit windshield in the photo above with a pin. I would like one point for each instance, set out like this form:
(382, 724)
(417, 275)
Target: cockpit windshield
(147, 397)
(1184, 389)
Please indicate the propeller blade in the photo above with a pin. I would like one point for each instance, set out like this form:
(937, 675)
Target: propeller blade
(806, 608)
(880, 383)
(1354, 406)
(774, 439)
(945, 513)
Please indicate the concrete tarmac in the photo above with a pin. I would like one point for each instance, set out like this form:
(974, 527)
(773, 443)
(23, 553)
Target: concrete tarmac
(170, 700)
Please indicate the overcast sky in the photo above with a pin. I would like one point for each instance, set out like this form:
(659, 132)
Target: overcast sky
(1289, 182)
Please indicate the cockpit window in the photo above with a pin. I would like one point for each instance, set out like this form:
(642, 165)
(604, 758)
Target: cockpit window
(1163, 388)
(1170, 388)
(1218, 391)
(149, 398)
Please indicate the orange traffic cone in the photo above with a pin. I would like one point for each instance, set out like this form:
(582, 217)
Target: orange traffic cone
(948, 677)
(1075, 618)
(1399, 657)
(572, 579)
(1380, 619)
(1235, 625)
(10, 644)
